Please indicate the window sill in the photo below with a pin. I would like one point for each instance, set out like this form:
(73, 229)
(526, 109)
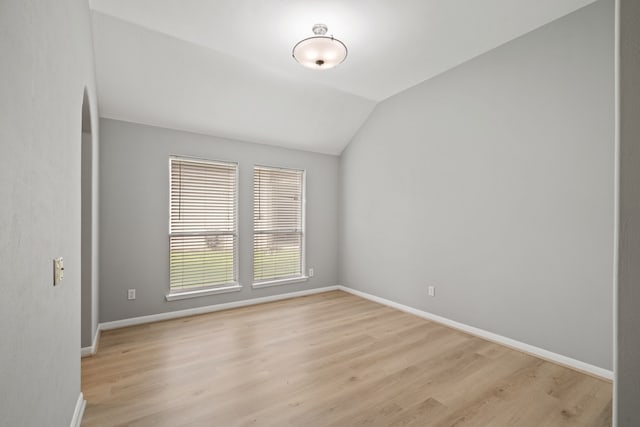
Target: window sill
(279, 282)
(233, 287)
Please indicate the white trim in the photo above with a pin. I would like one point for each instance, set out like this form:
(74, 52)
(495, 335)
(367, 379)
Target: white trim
(209, 309)
(278, 282)
(303, 248)
(91, 350)
(616, 205)
(302, 231)
(193, 294)
(508, 342)
(203, 292)
(78, 412)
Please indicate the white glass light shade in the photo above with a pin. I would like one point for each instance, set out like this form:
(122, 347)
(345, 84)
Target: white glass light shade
(320, 52)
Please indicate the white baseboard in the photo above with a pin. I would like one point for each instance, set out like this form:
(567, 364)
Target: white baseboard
(499, 339)
(490, 336)
(78, 411)
(91, 350)
(209, 309)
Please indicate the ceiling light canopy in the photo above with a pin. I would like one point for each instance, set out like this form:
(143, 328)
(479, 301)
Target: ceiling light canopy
(320, 52)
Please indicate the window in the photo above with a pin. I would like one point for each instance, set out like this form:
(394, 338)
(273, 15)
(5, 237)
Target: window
(203, 236)
(278, 225)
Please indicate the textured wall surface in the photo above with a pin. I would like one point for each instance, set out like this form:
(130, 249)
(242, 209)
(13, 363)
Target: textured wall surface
(47, 61)
(494, 182)
(628, 338)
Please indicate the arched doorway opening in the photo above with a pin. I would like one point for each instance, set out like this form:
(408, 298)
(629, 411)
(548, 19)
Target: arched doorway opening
(88, 232)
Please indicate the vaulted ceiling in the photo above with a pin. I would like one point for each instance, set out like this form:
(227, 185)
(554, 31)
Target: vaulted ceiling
(224, 67)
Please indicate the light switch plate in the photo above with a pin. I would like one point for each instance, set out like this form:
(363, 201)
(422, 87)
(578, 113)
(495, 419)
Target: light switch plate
(58, 271)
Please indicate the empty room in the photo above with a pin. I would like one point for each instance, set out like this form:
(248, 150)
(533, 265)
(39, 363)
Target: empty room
(320, 213)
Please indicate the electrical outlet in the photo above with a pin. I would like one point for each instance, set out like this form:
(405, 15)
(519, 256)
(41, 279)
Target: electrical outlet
(131, 294)
(311, 272)
(432, 291)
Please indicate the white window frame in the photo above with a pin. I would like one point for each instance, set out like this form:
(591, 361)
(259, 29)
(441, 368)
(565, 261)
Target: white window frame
(303, 238)
(205, 290)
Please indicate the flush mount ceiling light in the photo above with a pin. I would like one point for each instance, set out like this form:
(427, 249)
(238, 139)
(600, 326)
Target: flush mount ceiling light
(320, 52)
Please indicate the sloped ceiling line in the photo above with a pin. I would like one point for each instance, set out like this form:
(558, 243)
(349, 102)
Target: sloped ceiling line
(224, 67)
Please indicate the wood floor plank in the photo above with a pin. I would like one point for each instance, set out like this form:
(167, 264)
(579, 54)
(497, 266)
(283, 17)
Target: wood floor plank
(330, 359)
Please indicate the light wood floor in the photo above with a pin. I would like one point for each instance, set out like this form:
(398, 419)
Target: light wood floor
(330, 359)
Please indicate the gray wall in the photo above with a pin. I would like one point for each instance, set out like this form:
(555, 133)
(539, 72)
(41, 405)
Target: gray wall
(47, 60)
(494, 183)
(134, 200)
(627, 386)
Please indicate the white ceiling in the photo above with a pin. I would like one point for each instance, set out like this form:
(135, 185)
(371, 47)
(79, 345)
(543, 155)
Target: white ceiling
(224, 67)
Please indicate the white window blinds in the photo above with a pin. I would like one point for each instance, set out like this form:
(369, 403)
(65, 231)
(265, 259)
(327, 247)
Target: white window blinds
(203, 236)
(278, 223)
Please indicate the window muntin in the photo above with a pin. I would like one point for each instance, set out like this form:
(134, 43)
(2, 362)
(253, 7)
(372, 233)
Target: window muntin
(203, 237)
(278, 224)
